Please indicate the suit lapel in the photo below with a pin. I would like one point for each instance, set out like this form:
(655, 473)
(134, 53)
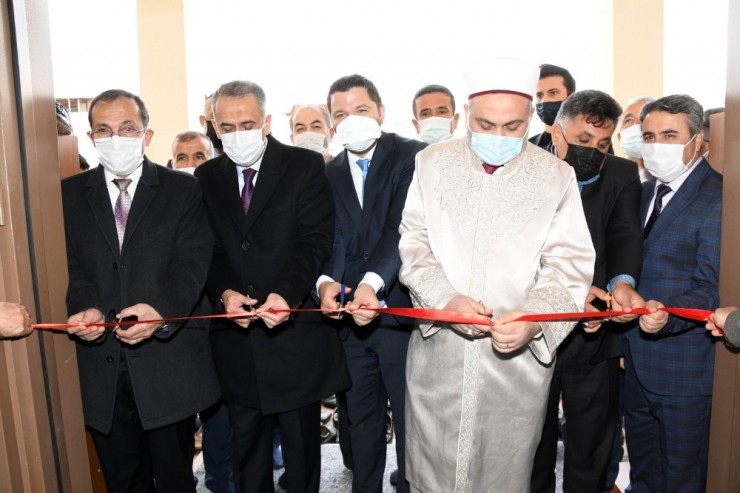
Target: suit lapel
(648, 192)
(680, 200)
(143, 196)
(345, 190)
(268, 179)
(98, 198)
(373, 183)
(230, 195)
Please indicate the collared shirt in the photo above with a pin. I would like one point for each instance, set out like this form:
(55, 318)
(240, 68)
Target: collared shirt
(357, 172)
(675, 185)
(114, 191)
(240, 172)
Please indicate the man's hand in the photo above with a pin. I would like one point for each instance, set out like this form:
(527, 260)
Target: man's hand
(717, 320)
(134, 334)
(594, 324)
(625, 298)
(272, 319)
(365, 297)
(234, 302)
(508, 336)
(14, 320)
(466, 304)
(328, 294)
(81, 322)
(655, 320)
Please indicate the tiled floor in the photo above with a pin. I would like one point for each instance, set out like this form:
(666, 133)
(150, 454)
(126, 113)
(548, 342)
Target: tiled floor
(336, 478)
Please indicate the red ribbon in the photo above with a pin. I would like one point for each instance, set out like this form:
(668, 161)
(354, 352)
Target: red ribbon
(431, 314)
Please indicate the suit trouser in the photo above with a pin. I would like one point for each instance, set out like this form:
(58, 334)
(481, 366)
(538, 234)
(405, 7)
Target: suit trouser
(590, 396)
(300, 442)
(217, 449)
(667, 438)
(133, 459)
(376, 359)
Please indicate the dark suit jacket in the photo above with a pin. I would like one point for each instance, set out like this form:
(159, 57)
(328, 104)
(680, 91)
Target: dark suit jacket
(278, 247)
(164, 262)
(681, 269)
(367, 237)
(612, 208)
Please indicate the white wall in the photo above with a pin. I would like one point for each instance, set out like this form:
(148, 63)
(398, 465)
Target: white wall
(695, 50)
(295, 50)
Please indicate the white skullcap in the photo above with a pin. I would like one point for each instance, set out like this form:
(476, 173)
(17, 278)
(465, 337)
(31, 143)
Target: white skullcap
(502, 75)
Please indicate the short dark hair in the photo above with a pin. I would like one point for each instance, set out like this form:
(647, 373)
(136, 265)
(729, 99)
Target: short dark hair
(430, 89)
(111, 95)
(547, 70)
(598, 108)
(348, 82)
(675, 104)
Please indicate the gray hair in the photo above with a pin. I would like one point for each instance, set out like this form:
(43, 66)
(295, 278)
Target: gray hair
(597, 107)
(675, 104)
(192, 135)
(238, 89)
(638, 99)
(317, 107)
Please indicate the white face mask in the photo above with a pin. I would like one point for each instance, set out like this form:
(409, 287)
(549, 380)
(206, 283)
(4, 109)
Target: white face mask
(665, 161)
(244, 147)
(630, 140)
(311, 140)
(358, 133)
(435, 129)
(189, 170)
(120, 155)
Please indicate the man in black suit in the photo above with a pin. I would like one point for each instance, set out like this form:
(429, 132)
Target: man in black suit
(272, 210)
(587, 366)
(553, 87)
(369, 181)
(138, 245)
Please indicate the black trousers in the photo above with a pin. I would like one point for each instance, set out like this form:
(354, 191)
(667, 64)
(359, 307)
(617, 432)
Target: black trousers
(134, 459)
(590, 403)
(299, 440)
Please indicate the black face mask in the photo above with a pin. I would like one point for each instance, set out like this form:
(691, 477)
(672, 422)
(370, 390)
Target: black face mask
(548, 111)
(586, 161)
(211, 133)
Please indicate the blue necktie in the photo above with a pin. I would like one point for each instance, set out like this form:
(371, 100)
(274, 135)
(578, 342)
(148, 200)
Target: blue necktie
(364, 165)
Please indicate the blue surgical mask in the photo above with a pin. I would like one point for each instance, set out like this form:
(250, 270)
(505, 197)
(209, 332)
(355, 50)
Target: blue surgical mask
(497, 150)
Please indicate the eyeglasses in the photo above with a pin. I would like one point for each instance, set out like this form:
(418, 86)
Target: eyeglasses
(105, 134)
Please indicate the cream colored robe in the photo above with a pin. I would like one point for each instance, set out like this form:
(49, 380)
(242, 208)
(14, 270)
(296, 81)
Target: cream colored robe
(517, 240)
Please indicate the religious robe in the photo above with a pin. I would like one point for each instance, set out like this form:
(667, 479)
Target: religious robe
(516, 240)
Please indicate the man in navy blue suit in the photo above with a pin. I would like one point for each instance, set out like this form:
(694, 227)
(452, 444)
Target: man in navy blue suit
(670, 360)
(369, 181)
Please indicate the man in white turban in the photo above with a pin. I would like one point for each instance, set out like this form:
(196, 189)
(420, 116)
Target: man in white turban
(492, 225)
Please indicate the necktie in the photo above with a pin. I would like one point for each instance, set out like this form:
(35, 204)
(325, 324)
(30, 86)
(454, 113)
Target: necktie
(663, 189)
(248, 188)
(123, 205)
(489, 168)
(364, 165)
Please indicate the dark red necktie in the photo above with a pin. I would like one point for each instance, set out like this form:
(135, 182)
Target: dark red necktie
(489, 168)
(248, 188)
